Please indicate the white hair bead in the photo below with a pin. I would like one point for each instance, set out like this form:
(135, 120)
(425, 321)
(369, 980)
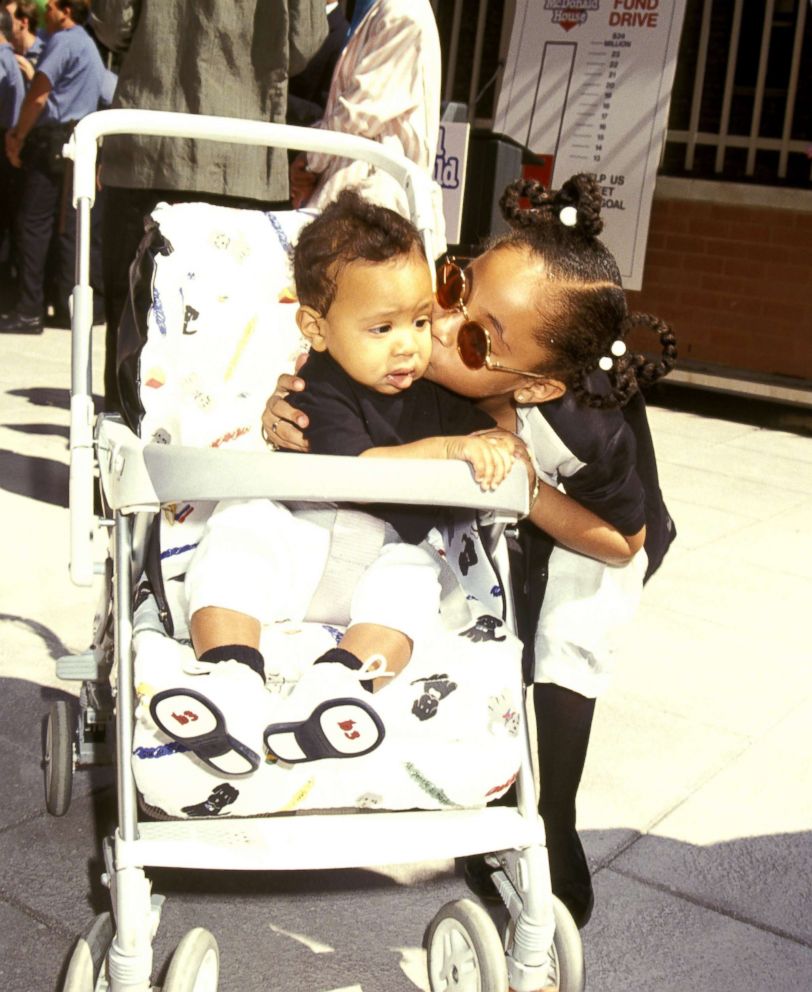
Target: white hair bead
(568, 216)
(605, 363)
(618, 348)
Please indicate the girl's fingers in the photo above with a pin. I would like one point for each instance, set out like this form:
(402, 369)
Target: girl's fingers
(482, 466)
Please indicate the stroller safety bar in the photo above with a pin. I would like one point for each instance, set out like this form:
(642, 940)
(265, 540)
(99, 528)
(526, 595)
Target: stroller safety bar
(141, 476)
(81, 148)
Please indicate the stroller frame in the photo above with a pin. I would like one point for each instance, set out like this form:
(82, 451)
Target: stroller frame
(137, 478)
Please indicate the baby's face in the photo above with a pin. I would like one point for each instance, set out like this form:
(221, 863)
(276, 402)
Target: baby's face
(378, 328)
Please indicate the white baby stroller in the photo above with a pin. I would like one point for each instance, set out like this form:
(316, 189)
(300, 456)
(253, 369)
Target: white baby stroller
(143, 477)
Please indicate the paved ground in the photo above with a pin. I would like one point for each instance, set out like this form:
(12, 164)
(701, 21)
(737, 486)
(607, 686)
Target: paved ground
(697, 804)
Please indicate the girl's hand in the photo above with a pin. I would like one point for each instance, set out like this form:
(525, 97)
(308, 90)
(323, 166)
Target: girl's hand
(490, 454)
(282, 424)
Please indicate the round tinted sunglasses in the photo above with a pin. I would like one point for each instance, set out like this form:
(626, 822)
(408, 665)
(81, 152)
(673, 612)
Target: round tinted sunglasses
(473, 340)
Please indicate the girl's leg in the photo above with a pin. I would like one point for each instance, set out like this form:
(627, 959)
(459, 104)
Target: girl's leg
(563, 722)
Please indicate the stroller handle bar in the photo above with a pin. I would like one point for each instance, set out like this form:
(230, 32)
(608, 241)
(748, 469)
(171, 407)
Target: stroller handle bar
(81, 148)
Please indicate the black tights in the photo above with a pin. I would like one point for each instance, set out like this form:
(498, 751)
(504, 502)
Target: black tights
(563, 723)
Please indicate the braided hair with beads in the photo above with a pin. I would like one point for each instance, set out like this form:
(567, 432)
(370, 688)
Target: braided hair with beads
(589, 320)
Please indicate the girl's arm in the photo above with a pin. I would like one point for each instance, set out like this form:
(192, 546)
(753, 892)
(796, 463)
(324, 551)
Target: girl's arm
(579, 529)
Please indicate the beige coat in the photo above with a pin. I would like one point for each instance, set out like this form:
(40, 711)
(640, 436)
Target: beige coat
(205, 57)
(386, 86)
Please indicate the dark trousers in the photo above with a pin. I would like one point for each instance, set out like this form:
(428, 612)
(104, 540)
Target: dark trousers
(563, 724)
(10, 186)
(42, 215)
(126, 211)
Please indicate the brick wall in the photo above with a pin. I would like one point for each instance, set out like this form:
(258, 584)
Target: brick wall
(733, 278)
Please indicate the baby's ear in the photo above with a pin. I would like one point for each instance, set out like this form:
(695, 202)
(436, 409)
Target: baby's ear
(539, 391)
(311, 324)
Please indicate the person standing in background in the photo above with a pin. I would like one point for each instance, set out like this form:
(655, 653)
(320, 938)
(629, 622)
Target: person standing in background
(28, 45)
(307, 91)
(386, 86)
(234, 61)
(67, 85)
(12, 91)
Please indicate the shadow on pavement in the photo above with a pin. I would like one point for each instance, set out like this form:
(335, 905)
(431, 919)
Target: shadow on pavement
(42, 479)
(763, 880)
(56, 649)
(41, 430)
(48, 396)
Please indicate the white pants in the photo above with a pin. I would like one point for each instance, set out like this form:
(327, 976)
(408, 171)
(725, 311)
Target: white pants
(584, 603)
(259, 558)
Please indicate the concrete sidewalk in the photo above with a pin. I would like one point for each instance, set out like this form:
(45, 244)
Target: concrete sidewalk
(697, 803)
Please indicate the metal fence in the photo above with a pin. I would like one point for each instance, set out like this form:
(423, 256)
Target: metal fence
(740, 109)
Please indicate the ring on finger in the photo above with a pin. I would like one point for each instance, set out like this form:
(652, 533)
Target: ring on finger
(269, 440)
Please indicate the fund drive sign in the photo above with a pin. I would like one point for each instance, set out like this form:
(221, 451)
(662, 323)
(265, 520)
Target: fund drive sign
(586, 87)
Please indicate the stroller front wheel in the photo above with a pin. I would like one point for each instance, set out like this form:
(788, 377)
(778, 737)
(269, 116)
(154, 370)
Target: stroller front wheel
(567, 951)
(195, 964)
(58, 759)
(566, 954)
(465, 951)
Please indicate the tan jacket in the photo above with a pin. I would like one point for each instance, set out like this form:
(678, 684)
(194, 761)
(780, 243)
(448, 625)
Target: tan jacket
(386, 86)
(231, 59)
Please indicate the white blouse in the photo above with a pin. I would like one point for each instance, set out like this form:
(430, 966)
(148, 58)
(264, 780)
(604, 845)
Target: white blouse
(386, 86)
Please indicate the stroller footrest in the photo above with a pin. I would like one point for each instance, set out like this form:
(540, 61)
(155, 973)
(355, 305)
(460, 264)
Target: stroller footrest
(79, 667)
(280, 843)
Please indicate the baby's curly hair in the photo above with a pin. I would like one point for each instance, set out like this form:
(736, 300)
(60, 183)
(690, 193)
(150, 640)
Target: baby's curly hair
(350, 229)
(589, 312)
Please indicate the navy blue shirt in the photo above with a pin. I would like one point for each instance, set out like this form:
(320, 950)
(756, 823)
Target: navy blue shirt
(76, 72)
(12, 87)
(347, 418)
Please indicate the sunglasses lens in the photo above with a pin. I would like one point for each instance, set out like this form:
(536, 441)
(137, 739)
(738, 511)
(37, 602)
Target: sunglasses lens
(450, 285)
(472, 344)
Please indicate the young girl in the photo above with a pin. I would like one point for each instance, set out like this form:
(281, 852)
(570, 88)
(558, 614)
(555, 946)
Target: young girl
(534, 332)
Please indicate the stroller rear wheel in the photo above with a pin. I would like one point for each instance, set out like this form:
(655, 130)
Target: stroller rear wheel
(58, 758)
(195, 964)
(464, 950)
(86, 966)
